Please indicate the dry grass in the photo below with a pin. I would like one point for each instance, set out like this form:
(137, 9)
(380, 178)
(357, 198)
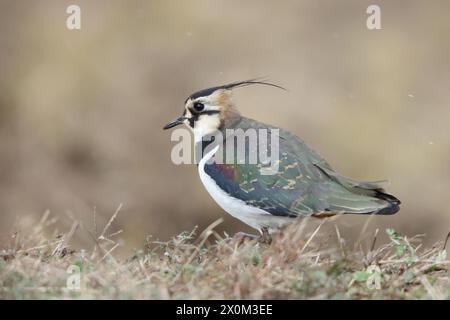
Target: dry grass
(300, 263)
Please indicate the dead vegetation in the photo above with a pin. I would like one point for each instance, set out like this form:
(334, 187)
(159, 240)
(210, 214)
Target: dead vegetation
(300, 263)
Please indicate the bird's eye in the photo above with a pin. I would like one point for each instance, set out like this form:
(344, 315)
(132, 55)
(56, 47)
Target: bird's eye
(198, 106)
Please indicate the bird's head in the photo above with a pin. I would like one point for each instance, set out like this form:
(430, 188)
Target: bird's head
(207, 110)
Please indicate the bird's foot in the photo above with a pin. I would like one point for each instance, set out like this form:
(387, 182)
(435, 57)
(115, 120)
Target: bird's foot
(241, 236)
(265, 237)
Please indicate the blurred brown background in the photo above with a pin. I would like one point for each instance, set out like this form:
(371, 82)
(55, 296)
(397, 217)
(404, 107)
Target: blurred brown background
(81, 112)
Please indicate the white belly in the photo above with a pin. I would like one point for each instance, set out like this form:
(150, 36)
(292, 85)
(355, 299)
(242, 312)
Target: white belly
(254, 217)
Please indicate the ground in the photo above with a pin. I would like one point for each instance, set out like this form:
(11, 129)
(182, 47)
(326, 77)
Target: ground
(298, 264)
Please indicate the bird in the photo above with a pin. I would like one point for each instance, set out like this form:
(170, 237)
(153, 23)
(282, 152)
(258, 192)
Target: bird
(305, 184)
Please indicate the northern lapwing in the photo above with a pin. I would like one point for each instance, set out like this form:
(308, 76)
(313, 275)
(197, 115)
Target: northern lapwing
(304, 185)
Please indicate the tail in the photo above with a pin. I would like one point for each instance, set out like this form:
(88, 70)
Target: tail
(364, 201)
(393, 204)
(360, 197)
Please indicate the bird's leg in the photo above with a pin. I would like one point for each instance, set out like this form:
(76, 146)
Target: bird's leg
(265, 236)
(240, 236)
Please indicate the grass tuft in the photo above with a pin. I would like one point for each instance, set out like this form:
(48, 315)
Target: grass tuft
(298, 264)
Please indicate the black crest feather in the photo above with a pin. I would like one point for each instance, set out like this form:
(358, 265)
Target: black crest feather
(230, 86)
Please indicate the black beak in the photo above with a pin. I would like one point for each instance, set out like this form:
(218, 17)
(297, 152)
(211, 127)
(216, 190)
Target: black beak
(174, 122)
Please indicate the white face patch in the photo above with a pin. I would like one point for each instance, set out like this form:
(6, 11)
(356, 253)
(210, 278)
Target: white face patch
(205, 125)
(206, 121)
